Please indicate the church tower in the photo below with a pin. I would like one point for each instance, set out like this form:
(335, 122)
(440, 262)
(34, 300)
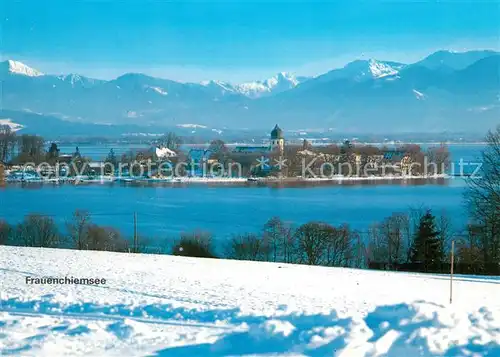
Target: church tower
(277, 139)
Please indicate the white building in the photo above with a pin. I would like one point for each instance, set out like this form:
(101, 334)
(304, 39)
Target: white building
(164, 153)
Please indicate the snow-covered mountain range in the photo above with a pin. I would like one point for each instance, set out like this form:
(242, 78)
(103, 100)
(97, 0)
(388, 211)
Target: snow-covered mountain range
(279, 83)
(445, 91)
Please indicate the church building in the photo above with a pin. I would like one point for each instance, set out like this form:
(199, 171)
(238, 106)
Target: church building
(277, 139)
(276, 143)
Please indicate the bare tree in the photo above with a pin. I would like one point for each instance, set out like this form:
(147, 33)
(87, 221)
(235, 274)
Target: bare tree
(377, 249)
(31, 149)
(38, 231)
(390, 240)
(290, 250)
(78, 228)
(338, 246)
(245, 247)
(469, 253)
(274, 237)
(5, 230)
(439, 158)
(105, 238)
(195, 244)
(7, 142)
(312, 240)
(359, 252)
(483, 198)
(394, 228)
(446, 231)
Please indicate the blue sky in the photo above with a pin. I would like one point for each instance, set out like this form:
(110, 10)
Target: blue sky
(236, 41)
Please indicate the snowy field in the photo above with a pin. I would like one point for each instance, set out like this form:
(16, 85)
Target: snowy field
(154, 305)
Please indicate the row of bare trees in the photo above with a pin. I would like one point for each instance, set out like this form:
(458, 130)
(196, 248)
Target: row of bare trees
(81, 233)
(415, 241)
(313, 243)
(20, 148)
(404, 241)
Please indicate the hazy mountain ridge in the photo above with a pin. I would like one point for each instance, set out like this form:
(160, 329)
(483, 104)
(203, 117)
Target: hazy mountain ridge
(444, 91)
(454, 60)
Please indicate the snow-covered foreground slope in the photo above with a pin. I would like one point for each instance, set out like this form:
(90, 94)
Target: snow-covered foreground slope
(154, 305)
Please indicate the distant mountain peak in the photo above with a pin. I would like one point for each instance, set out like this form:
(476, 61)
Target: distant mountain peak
(221, 84)
(282, 77)
(16, 67)
(380, 69)
(210, 82)
(373, 68)
(286, 75)
(281, 82)
(219, 88)
(74, 79)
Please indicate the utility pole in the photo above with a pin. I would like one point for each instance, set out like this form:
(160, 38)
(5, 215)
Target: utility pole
(389, 239)
(135, 232)
(359, 250)
(451, 270)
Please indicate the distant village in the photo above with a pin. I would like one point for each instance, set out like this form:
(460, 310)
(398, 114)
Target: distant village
(26, 159)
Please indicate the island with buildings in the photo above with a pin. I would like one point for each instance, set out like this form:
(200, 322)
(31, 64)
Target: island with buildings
(275, 160)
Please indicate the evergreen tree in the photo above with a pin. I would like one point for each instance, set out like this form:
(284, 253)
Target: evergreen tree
(76, 154)
(427, 249)
(79, 164)
(53, 152)
(346, 157)
(111, 162)
(111, 158)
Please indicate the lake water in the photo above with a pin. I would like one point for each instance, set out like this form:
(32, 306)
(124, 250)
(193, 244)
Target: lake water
(100, 152)
(224, 210)
(164, 211)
